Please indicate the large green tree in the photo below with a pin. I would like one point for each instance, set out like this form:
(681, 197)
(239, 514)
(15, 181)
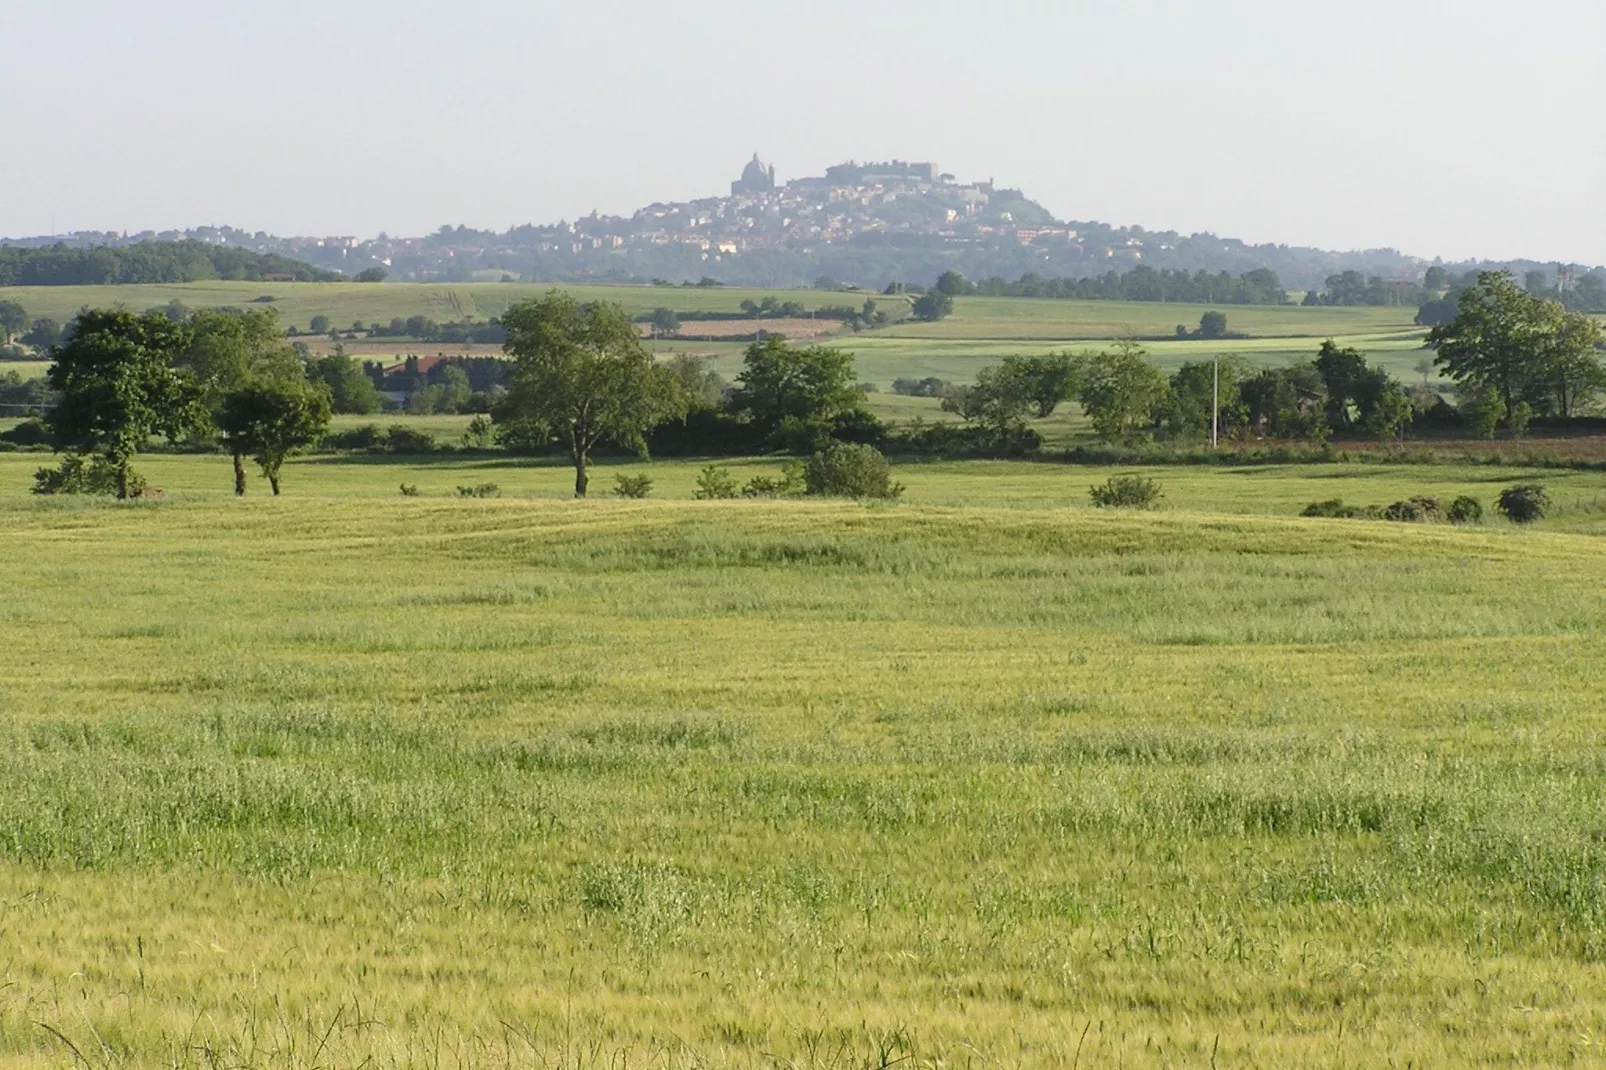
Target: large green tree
(1121, 392)
(1569, 370)
(582, 376)
(998, 401)
(272, 418)
(229, 350)
(119, 386)
(1196, 386)
(1045, 381)
(1496, 339)
(786, 386)
(1287, 402)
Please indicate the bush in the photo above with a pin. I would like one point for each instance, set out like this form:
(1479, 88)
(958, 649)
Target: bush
(715, 482)
(369, 437)
(480, 490)
(851, 470)
(409, 490)
(1125, 492)
(79, 475)
(1465, 510)
(929, 387)
(402, 439)
(479, 435)
(791, 482)
(1419, 510)
(1407, 512)
(919, 438)
(1334, 508)
(1524, 503)
(632, 486)
(27, 433)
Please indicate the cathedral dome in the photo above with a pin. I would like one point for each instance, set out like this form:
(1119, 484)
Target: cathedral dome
(756, 178)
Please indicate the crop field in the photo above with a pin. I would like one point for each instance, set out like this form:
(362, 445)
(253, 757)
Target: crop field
(1049, 320)
(984, 778)
(981, 331)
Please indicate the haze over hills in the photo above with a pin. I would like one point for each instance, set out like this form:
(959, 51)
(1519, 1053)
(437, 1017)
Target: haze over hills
(863, 224)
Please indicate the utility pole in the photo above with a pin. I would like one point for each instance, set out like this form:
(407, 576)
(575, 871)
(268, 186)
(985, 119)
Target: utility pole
(1215, 398)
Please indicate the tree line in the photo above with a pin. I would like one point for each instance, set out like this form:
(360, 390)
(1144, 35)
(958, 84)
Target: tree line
(148, 262)
(1512, 356)
(580, 377)
(1143, 283)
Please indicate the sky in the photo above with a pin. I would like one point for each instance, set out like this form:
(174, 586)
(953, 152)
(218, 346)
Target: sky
(1454, 128)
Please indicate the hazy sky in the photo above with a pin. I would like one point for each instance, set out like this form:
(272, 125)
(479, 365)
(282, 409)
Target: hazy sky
(1441, 127)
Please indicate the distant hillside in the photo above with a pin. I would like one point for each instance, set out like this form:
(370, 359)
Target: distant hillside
(149, 262)
(866, 225)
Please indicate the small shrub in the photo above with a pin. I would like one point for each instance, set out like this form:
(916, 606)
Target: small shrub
(479, 435)
(400, 438)
(632, 486)
(370, 437)
(80, 475)
(1465, 510)
(1428, 507)
(1406, 512)
(715, 482)
(480, 490)
(851, 470)
(409, 490)
(1524, 503)
(791, 482)
(1521, 416)
(1125, 492)
(1332, 508)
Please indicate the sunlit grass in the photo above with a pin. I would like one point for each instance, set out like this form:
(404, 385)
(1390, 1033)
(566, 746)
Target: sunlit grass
(986, 776)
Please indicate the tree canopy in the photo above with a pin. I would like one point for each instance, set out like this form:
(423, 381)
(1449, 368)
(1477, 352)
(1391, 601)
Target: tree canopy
(782, 385)
(271, 418)
(582, 376)
(119, 386)
(1522, 349)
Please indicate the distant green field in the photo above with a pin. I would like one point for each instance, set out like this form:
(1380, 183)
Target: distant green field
(986, 778)
(346, 303)
(1028, 319)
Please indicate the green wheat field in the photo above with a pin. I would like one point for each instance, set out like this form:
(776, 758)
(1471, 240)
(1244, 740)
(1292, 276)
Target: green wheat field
(983, 778)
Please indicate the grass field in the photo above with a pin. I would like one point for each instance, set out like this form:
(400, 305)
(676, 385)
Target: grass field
(985, 778)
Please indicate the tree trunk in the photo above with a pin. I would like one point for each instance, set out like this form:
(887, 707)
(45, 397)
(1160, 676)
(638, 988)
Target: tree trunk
(273, 481)
(239, 475)
(122, 480)
(580, 477)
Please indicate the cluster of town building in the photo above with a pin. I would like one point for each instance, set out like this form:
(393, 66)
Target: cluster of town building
(848, 201)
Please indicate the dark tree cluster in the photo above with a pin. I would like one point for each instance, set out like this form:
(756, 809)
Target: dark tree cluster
(1258, 287)
(1351, 288)
(424, 329)
(148, 262)
(1518, 355)
(581, 377)
(221, 377)
(1127, 399)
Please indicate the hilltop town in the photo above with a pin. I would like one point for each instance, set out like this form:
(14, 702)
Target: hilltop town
(864, 223)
